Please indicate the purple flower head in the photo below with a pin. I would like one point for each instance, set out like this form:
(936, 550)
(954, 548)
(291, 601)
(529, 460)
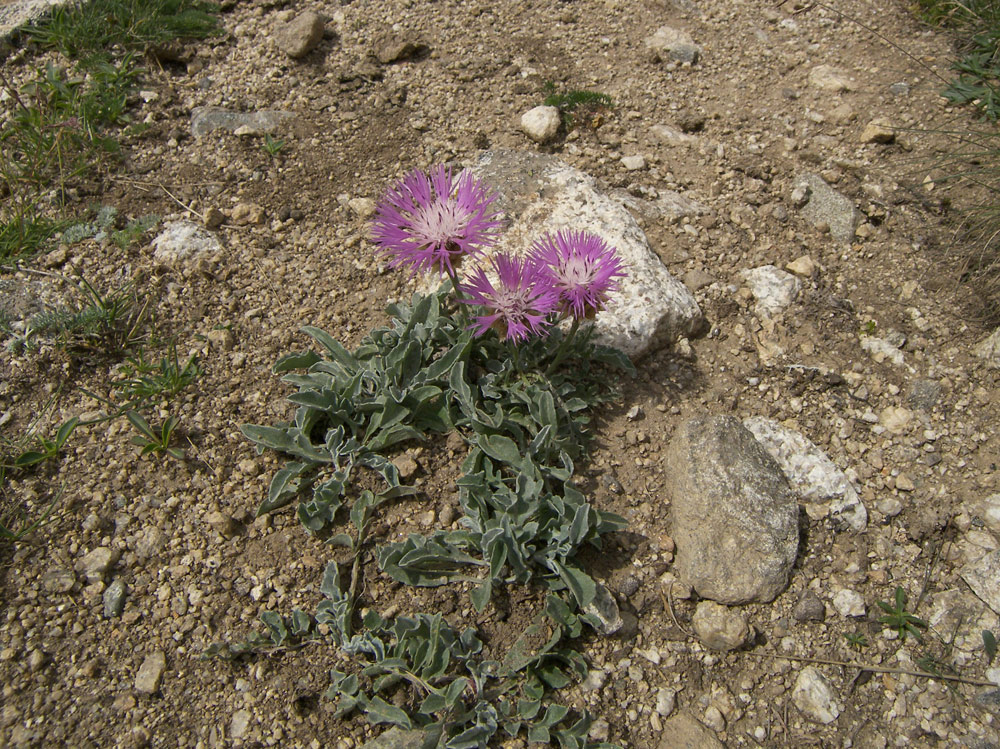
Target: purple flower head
(427, 221)
(520, 302)
(582, 268)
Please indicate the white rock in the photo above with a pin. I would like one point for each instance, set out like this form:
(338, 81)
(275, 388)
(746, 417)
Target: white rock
(183, 241)
(239, 724)
(983, 576)
(633, 163)
(829, 78)
(774, 289)
(881, 350)
(541, 123)
(849, 602)
(363, 207)
(541, 194)
(809, 470)
(989, 510)
(895, 418)
(670, 44)
(815, 697)
(673, 137)
(666, 701)
(989, 349)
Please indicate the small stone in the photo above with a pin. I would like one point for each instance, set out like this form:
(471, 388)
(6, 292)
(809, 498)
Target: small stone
(222, 338)
(239, 724)
(223, 524)
(900, 88)
(606, 610)
(595, 680)
(396, 738)
(248, 213)
(809, 608)
(800, 195)
(889, 506)
(541, 123)
(849, 602)
(114, 599)
(684, 731)
(301, 36)
(398, 47)
(57, 257)
(213, 218)
(673, 45)
(58, 580)
(815, 697)
(364, 208)
(720, 627)
(878, 130)
(714, 719)
(904, 483)
(96, 564)
(37, 660)
(147, 680)
(829, 78)
(407, 466)
(666, 700)
(803, 266)
(634, 163)
(895, 419)
(600, 730)
(989, 349)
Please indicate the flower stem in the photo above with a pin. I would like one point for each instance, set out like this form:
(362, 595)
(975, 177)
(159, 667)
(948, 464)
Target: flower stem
(563, 347)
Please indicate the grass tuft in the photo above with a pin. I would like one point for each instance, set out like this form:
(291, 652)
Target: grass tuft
(975, 158)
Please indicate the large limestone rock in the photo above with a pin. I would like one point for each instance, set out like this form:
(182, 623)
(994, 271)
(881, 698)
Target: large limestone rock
(540, 194)
(734, 517)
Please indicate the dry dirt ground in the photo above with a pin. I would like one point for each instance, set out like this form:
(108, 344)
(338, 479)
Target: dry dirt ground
(199, 568)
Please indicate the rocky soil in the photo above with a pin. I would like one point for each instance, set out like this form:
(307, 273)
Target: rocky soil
(792, 134)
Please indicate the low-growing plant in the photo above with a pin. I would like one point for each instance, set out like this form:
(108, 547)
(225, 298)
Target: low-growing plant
(153, 440)
(856, 640)
(92, 29)
(272, 146)
(143, 380)
(485, 357)
(105, 323)
(134, 231)
(899, 619)
(989, 645)
(47, 449)
(588, 106)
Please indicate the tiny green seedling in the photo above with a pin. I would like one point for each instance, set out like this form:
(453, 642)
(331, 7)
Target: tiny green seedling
(990, 646)
(899, 619)
(151, 440)
(272, 146)
(869, 328)
(856, 640)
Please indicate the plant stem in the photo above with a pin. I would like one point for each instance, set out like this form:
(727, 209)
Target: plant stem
(563, 347)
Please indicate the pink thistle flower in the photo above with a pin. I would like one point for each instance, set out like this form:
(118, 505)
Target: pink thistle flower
(519, 305)
(582, 268)
(427, 221)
